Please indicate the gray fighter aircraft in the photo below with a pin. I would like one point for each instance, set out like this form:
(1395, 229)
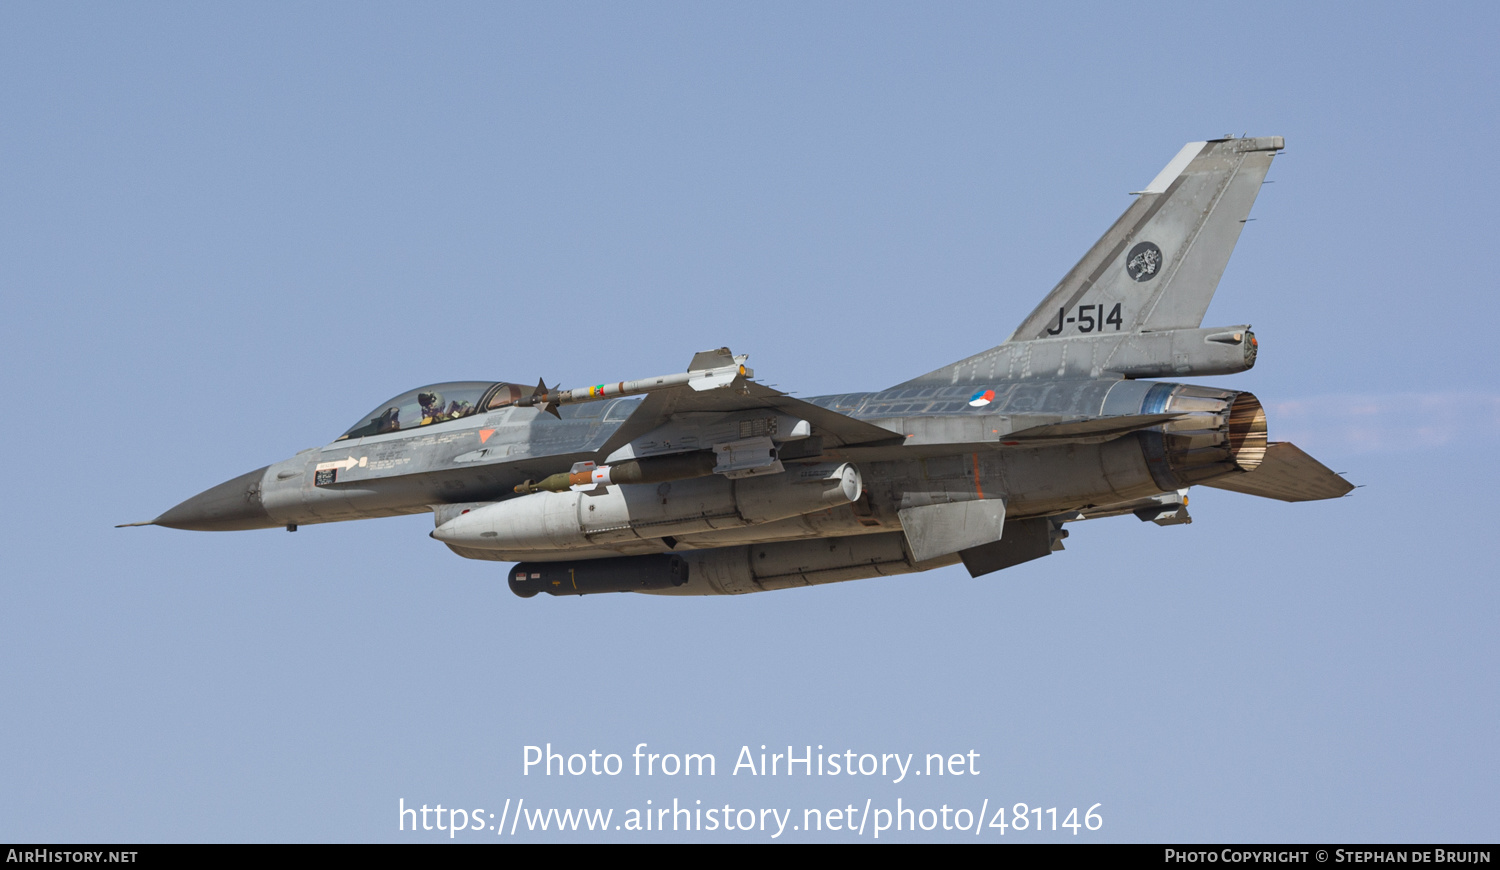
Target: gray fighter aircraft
(708, 483)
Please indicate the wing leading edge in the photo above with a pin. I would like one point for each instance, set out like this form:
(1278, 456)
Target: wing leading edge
(836, 430)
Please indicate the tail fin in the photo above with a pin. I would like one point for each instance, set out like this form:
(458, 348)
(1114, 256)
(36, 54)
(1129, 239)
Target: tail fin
(1158, 266)
(1146, 282)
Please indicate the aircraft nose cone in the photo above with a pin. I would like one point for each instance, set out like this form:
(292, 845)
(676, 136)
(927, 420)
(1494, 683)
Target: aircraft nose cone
(231, 506)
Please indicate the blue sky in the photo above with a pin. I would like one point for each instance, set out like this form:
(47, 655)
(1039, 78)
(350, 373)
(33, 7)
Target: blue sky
(230, 230)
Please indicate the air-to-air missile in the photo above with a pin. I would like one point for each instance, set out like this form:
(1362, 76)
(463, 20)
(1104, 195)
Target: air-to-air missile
(549, 399)
(706, 482)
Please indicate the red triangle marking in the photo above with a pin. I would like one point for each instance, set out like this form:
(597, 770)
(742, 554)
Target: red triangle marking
(484, 435)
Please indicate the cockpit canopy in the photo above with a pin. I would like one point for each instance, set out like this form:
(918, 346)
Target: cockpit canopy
(435, 403)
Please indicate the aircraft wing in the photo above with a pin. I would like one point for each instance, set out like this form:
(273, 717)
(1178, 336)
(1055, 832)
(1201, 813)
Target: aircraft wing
(1287, 474)
(836, 430)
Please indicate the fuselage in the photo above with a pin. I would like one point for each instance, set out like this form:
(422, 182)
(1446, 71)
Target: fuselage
(955, 444)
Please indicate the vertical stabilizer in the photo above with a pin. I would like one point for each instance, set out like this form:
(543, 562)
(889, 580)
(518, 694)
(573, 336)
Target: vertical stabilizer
(1158, 266)
(1132, 306)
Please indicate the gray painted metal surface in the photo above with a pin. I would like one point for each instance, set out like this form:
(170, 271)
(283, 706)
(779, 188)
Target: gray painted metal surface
(706, 482)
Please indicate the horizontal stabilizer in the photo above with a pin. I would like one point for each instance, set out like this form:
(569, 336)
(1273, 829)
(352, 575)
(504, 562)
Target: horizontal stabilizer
(1287, 474)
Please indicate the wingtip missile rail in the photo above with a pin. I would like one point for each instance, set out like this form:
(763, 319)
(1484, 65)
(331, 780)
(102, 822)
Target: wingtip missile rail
(548, 399)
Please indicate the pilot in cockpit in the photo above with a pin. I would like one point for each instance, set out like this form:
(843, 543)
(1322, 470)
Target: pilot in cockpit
(432, 407)
(433, 410)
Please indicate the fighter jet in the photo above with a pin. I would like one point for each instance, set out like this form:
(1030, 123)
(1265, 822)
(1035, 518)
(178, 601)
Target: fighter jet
(707, 482)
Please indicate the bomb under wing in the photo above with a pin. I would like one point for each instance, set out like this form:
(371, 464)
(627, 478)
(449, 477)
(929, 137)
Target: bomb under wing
(651, 469)
(707, 482)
